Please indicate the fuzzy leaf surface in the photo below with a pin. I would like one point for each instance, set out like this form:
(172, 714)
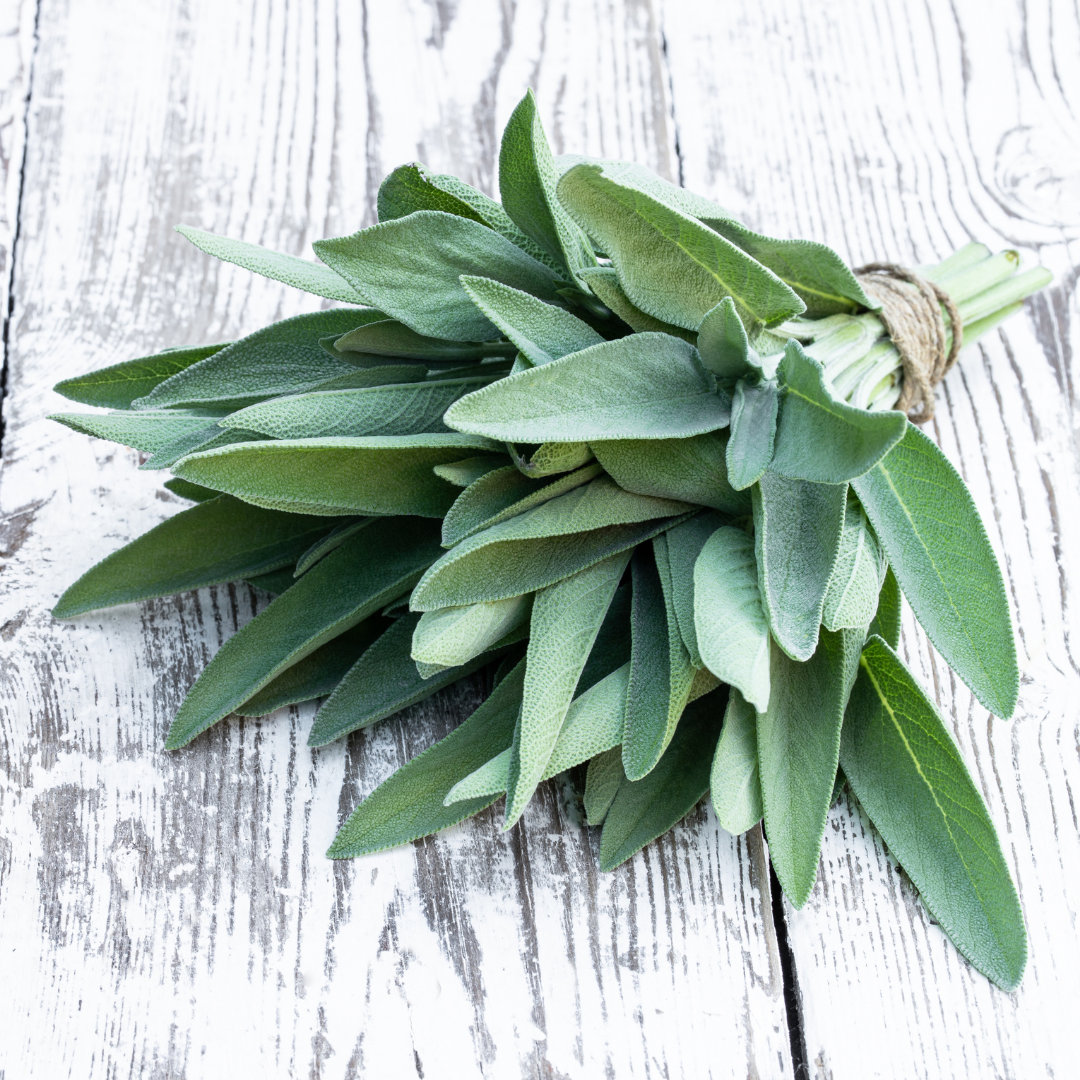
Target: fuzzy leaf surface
(604, 282)
(735, 779)
(145, 431)
(684, 544)
(469, 470)
(388, 339)
(852, 598)
(550, 458)
(886, 623)
(348, 528)
(603, 779)
(754, 409)
(722, 342)
(452, 636)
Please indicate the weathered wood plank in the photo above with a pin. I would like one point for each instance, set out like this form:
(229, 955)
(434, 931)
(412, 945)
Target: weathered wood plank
(173, 915)
(900, 131)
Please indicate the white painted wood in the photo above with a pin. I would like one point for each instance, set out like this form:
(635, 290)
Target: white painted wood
(900, 131)
(172, 915)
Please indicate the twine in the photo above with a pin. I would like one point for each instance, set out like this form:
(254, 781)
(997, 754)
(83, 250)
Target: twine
(916, 325)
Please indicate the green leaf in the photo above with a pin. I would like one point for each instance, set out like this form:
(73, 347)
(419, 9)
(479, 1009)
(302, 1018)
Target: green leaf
(645, 809)
(798, 740)
(937, 546)
(735, 780)
(382, 682)
(543, 545)
(566, 619)
(117, 386)
(299, 273)
(527, 181)
(852, 598)
(410, 409)
(469, 470)
(670, 265)
(693, 469)
(452, 636)
(907, 773)
(550, 458)
(502, 494)
(602, 782)
(730, 624)
(275, 582)
(612, 648)
(283, 358)
(797, 529)
(317, 674)
(333, 539)
(410, 268)
(684, 544)
(604, 282)
(410, 803)
(208, 438)
(412, 187)
(192, 492)
(820, 438)
(645, 386)
(351, 583)
(389, 338)
(488, 780)
(886, 623)
(147, 431)
(723, 344)
(210, 543)
(542, 332)
(754, 408)
(381, 474)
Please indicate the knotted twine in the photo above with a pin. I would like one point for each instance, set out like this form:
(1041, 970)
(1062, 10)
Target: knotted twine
(916, 325)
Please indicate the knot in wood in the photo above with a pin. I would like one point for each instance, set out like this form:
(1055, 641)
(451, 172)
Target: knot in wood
(913, 317)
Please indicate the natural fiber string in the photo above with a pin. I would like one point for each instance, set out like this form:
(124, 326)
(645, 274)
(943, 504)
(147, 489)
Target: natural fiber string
(916, 325)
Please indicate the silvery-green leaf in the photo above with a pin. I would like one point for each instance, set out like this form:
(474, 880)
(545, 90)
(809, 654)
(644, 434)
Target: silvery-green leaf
(797, 529)
(684, 544)
(566, 619)
(723, 344)
(886, 623)
(669, 264)
(602, 782)
(469, 470)
(409, 409)
(333, 539)
(527, 181)
(382, 474)
(612, 647)
(936, 544)
(455, 635)
(735, 781)
(541, 331)
(605, 283)
(645, 386)
(218, 540)
(551, 458)
(410, 268)
(390, 338)
(117, 386)
(191, 492)
(693, 469)
(208, 438)
(283, 358)
(299, 273)
(754, 407)
(852, 598)
(729, 621)
(502, 494)
(488, 780)
(544, 545)
(145, 431)
(821, 438)
(409, 804)
(343, 589)
(382, 374)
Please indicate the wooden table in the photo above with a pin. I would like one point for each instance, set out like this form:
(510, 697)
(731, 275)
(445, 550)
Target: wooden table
(173, 915)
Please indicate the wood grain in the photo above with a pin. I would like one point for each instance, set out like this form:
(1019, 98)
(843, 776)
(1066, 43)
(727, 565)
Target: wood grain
(173, 915)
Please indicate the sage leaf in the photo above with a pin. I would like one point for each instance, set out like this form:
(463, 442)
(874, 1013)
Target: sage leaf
(452, 636)
(735, 779)
(275, 582)
(886, 623)
(907, 773)
(566, 619)
(488, 780)
(527, 180)
(754, 409)
(356, 378)
(409, 804)
(146, 431)
(351, 583)
(283, 358)
(390, 339)
(937, 546)
(723, 344)
(670, 265)
(612, 648)
(543, 545)
(852, 597)
(191, 492)
(684, 544)
(551, 458)
(288, 269)
(797, 530)
(383, 474)
(603, 779)
(333, 539)
(317, 674)
(821, 438)
(209, 437)
(219, 540)
(729, 622)
(117, 386)
(410, 268)
(409, 409)
(604, 282)
(693, 469)
(542, 332)
(798, 742)
(645, 386)
(469, 470)
(645, 809)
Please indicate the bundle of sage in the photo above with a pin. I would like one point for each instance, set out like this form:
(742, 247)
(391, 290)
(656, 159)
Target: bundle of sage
(641, 464)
